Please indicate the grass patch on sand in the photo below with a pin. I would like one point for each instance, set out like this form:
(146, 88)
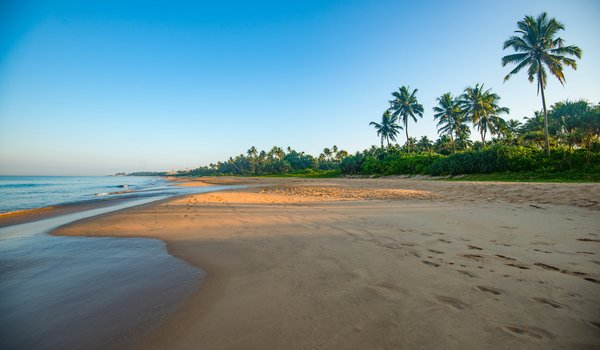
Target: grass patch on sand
(527, 176)
(309, 173)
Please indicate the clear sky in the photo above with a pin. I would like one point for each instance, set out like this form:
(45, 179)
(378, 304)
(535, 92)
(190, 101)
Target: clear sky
(98, 87)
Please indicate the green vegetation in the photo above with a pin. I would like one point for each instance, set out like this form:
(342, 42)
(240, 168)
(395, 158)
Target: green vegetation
(276, 162)
(388, 129)
(516, 152)
(538, 49)
(404, 107)
(480, 107)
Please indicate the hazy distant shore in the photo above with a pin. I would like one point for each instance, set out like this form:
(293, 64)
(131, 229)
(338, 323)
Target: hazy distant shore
(378, 263)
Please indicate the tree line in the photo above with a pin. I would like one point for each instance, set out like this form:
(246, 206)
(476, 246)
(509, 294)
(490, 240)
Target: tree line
(536, 47)
(570, 128)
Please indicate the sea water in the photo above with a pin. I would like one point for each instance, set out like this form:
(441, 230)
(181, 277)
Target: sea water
(29, 192)
(86, 292)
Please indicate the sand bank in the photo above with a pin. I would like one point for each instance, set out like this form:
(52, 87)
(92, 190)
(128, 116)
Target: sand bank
(379, 264)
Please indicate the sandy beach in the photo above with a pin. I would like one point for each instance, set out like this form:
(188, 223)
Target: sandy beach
(386, 263)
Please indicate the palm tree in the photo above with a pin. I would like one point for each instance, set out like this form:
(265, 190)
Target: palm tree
(341, 154)
(405, 106)
(537, 48)
(388, 129)
(481, 107)
(277, 152)
(327, 153)
(450, 116)
(425, 144)
(513, 128)
(252, 155)
(443, 145)
(567, 117)
(411, 142)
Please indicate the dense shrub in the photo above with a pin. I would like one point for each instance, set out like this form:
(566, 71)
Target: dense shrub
(493, 159)
(352, 164)
(501, 158)
(394, 160)
(398, 163)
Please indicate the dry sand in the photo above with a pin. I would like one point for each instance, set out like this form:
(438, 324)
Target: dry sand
(379, 264)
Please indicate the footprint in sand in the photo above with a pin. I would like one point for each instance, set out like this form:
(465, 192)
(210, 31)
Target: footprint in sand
(573, 273)
(519, 266)
(475, 257)
(415, 254)
(435, 251)
(385, 291)
(430, 263)
(444, 240)
(467, 273)
(548, 302)
(547, 267)
(505, 257)
(390, 246)
(452, 302)
(531, 332)
(489, 290)
(474, 247)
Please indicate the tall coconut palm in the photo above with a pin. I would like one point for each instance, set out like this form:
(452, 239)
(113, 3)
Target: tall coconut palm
(450, 117)
(425, 144)
(405, 106)
(481, 108)
(327, 153)
(538, 48)
(513, 127)
(387, 129)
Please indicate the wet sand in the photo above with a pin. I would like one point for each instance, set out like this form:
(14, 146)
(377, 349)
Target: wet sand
(81, 292)
(379, 263)
(30, 215)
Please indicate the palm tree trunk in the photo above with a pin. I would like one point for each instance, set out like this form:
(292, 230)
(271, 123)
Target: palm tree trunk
(545, 110)
(381, 141)
(457, 137)
(406, 129)
(453, 143)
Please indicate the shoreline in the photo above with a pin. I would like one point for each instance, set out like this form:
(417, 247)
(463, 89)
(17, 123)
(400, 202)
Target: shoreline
(28, 252)
(30, 215)
(214, 304)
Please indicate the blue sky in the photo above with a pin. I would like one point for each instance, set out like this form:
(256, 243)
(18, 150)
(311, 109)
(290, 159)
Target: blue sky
(98, 87)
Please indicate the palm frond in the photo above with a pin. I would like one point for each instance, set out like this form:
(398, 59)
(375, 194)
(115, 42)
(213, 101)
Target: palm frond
(571, 50)
(514, 58)
(518, 68)
(517, 43)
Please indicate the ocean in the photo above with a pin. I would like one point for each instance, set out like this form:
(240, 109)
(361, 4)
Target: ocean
(29, 192)
(84, 292)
